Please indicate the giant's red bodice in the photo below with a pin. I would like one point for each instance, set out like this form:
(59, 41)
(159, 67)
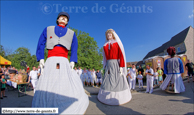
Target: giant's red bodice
(58, 51)
(114, 53)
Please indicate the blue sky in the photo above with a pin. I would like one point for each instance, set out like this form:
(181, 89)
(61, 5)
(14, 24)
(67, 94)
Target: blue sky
(141, 25)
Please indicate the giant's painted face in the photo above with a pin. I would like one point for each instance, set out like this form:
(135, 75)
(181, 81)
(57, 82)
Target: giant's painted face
(63, 20)
(109, 36)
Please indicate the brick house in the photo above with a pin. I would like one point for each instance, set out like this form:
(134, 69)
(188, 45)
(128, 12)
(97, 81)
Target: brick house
(129, 64)
(183, 43)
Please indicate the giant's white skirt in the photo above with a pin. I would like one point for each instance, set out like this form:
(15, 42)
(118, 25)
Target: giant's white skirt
(114, 89)
(60, 88)
(177, 80)
(114, 98)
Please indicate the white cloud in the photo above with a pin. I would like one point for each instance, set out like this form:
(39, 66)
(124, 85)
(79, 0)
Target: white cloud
(191, 16)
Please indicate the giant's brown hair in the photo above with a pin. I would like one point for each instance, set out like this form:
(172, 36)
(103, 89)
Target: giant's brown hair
(109, 31)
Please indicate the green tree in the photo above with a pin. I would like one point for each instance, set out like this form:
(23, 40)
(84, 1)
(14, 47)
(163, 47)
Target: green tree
(2, 51)
(22, 54)
(89, 55)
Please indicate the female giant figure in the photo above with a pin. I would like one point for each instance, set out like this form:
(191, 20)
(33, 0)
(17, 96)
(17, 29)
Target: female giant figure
(114, 89)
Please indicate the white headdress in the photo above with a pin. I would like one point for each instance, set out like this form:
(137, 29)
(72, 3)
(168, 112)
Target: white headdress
(117, 39)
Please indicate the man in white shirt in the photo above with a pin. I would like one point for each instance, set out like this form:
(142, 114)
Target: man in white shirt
(79, 72)
(34, 77)
(149, 76)
(93, 72)
(132, 77)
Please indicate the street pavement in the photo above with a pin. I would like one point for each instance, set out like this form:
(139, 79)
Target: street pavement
(159, 102)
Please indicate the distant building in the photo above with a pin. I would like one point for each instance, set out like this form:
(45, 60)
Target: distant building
(183, 43)
(129, 64)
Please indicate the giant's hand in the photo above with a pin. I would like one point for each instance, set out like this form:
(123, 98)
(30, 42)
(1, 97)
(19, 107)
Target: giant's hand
(72, 64)
(41, 64)
(121, 70)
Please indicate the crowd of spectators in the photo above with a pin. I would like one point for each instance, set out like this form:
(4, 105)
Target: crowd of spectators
(89, 77)
(153, 76)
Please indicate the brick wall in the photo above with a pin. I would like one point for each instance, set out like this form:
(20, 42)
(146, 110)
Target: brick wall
(181, 46)
(189, 43)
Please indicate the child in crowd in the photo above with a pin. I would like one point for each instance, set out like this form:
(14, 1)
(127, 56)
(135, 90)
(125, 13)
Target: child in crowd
(85, 76)
(99, 78)
(140, 80)
(160, 73)
(155, 77)
(3, 85)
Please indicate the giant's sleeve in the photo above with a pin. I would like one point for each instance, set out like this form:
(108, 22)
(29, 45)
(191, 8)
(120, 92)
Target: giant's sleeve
(74, 47)
(165, 66)
(122, 62)
(181, 66)
(41, 45)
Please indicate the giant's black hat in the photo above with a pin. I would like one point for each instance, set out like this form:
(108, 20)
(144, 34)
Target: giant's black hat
(63, 14)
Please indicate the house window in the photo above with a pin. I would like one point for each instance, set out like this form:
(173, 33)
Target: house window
(178, 50)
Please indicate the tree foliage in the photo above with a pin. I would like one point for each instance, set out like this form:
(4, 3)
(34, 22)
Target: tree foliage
(2, 51)
(22, 54)
(89, 54)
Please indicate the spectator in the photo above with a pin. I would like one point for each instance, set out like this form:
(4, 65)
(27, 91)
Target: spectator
(160, 75)
(85, 76)
(22, 76)
(80, 72)
(36, 69)
(12, 74)
(76, 70)
(155, 77)
(6, 74)
(30, 84)
(163, 75)
(93, 72)
(189, 68)
(140, 80)
(89, 77)
(28, 69)
(1, 72)
(34, 78)
(140, 69)
(149, 76)
(20, 71)
(99, 78)
(132, 77)
(3, 85)
(16, 71)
